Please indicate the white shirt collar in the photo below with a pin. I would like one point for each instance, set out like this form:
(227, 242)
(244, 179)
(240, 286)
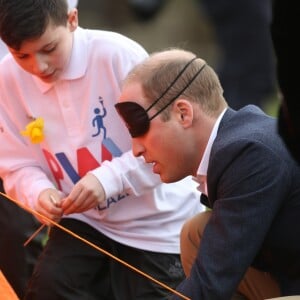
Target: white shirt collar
(202, 170)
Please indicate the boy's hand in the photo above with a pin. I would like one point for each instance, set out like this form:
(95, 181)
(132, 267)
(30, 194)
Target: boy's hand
(49, 205)
(87, 193)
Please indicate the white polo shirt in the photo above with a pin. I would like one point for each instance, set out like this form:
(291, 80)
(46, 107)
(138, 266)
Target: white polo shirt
(3, 49)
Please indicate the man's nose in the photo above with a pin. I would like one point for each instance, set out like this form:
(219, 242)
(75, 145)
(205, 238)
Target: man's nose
(137, 148)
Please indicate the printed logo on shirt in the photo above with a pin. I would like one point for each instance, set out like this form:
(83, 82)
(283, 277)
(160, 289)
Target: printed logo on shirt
(85, 159)
(97, 122)
(111, 200)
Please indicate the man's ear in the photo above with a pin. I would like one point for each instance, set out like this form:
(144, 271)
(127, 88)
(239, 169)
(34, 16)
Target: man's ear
(73, 19)
(184, 112)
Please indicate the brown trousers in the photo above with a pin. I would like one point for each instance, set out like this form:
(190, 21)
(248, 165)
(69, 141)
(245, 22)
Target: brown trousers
(255, 285)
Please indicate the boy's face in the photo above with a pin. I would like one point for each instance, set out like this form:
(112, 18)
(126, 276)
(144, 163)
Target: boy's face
(164, 142)
(47, 56)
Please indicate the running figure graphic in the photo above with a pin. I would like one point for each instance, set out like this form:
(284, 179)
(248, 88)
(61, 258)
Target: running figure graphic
(98, 120)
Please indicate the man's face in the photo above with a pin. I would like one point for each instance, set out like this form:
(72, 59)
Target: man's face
(162, 144)
(47, 56)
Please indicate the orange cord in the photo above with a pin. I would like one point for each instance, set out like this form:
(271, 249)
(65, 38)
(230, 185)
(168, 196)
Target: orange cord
(93, 246)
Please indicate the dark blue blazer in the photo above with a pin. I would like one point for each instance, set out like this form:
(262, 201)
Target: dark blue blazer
(254, 192)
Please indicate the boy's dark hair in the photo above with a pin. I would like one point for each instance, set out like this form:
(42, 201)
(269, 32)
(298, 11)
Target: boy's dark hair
(22, 20)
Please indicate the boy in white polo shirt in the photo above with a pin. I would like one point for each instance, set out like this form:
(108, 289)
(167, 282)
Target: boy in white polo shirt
(65, 152)
(17, 261)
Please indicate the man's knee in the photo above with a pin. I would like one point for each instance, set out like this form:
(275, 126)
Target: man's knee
(193, 228)
(190, 238)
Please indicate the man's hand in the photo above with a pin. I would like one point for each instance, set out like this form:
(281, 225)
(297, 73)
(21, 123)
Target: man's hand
(87, 193)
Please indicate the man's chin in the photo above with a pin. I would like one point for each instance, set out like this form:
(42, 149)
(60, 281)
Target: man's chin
(165, 178)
